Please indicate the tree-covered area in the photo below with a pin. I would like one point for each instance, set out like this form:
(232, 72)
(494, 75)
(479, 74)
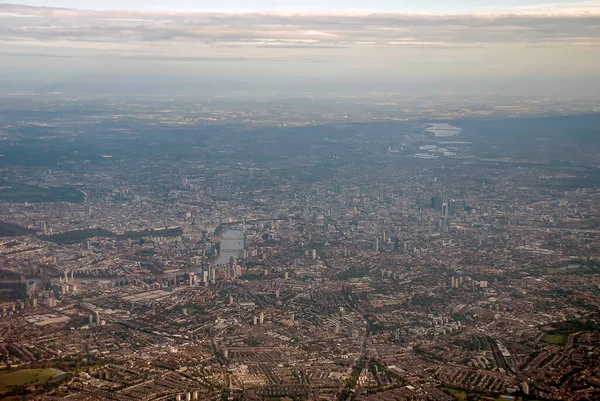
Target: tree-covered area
(74, 237)
(13, 230)
(77, 236)
(353, 272)
(12, 192)
(573, 326)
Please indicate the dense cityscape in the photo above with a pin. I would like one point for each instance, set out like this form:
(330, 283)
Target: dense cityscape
(374, 248)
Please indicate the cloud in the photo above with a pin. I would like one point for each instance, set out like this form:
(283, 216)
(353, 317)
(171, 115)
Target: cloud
(572, 7)
(306, 30)
(385, 46)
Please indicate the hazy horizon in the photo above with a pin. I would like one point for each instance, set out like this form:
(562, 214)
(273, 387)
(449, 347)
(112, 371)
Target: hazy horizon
(526, 47)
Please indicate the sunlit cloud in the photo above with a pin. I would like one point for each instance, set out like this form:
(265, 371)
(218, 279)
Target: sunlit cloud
(376, 45)
(270, 28)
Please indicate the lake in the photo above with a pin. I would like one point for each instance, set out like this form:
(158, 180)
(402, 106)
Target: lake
(442, 129)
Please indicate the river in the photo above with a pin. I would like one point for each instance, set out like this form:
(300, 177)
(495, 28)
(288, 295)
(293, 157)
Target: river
(232, 242)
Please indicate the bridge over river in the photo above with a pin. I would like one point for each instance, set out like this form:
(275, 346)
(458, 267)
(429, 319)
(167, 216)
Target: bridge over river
(232, 243)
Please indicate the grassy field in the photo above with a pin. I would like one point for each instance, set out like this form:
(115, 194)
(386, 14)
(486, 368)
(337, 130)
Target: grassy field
(459, 395)
(145, 252)
(26, 377)
(557, 339)
(190, 309)
(562, 270)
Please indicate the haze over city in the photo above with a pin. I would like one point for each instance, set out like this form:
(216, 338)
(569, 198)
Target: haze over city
(299, 201)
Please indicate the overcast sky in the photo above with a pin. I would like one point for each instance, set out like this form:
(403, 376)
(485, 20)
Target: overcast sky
(483, 42)
(402, 6)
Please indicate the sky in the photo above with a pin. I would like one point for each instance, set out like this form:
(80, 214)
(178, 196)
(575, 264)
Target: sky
(396, 6)
(471, 46)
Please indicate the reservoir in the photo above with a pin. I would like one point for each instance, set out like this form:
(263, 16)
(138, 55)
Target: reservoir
(442, 129)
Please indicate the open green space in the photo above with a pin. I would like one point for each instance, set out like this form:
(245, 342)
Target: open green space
(34, 194)
(563, 270)
(190, 309)
(459, 395)
(13, 230)
(462, 395)
(26, 377)
(353, 272)
(573, 326)
(557, 339)
(74, 237)
(145, 252)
